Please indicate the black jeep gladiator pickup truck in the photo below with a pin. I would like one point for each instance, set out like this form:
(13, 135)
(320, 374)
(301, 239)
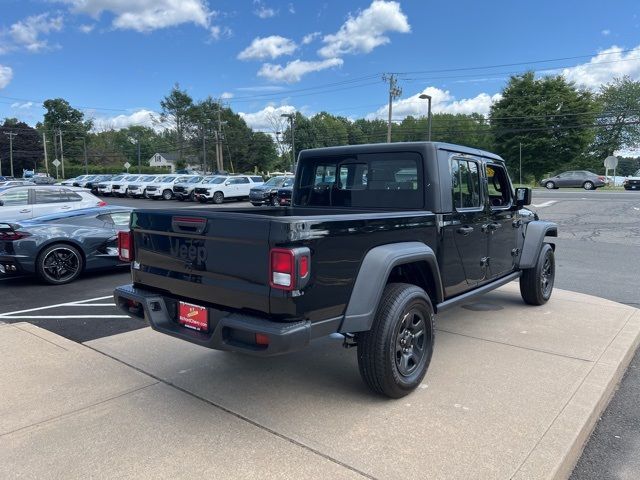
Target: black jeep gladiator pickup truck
(378, 239)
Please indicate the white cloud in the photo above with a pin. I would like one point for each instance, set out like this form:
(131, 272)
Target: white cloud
(307, 39)
(292, 9)
(265, 118)
(441, 102)
(226, 95)
(606, 32)
(295, 70)
(22, 106)
(87, 28)
(366, 31)
(140, 117)
(262, 88)
(268, 47)
(26, 33)
(6, 74)
(262, 10)
(146, 15)
(218, 32)
(604, 67)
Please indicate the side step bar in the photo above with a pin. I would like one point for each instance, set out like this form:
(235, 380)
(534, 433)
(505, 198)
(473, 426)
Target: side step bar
(465, 297)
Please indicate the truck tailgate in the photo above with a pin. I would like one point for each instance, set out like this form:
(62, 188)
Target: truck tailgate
(206, 256)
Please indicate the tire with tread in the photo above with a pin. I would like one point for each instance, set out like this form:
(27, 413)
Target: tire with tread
(550, 185)
(64, 250)
(218, 198)
(588, 185)
(379, 357)
(167, 194)
(536, 283)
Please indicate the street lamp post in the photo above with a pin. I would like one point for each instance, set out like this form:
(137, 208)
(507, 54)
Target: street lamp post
(424, 96)
(292, 117)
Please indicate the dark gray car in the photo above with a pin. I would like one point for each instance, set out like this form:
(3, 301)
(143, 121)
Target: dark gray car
(576, 179)
(60, 247)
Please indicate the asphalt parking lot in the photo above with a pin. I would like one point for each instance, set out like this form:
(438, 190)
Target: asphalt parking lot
(597, 254)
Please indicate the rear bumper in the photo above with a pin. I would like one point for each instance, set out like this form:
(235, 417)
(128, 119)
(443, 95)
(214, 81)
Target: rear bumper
(227, 330)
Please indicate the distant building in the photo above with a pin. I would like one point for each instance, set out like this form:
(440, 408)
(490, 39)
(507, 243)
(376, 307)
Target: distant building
(170, 161)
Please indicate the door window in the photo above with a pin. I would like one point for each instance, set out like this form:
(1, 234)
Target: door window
(15, 197)
(465, 177)
(72, 196)
(49, 195)
(499, 186)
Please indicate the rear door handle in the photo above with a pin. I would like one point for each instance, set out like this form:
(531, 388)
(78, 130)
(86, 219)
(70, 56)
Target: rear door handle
(65, 207)
(464, 230)
(26, 210)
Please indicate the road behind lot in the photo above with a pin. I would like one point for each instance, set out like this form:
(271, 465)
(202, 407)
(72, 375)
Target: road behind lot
(597, 254)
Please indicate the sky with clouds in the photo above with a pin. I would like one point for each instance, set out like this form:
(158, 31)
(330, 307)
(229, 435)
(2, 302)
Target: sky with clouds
(115, 59)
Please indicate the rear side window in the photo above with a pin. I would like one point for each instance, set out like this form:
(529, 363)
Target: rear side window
(389, 180)
(257, 179)
(71, 196)
(465, 179)
(49, 195)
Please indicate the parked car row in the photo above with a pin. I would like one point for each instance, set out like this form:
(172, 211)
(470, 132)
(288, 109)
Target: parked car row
(201, 188)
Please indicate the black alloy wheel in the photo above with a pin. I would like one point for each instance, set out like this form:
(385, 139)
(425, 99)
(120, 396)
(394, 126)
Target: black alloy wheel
(59, 264)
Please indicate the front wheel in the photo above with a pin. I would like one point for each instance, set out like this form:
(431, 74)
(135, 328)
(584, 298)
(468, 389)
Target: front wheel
(274, 201)
(218, 198)
(167, 194)
(536, 283)
(59, 264)
(550, 185)
(255, 204)
(394, 355)
(588, 185)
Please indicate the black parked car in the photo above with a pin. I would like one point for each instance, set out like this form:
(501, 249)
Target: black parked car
(60, 247)
(267, 193)
(284, 196)
(578, 178)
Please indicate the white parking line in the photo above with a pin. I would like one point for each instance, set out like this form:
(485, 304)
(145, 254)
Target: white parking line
(545, 204)
(66, 316)
(66, 304)
(91, 305)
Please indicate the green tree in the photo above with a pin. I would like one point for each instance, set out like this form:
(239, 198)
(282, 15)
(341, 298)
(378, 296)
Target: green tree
(177, 109)
(549, 117)
(61, 118)
(27, 147)
(618, 124)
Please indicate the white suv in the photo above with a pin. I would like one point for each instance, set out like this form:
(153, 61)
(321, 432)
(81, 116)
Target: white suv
(119, 188)
(138, 188)
(163, 187)
(23, 203)
(219, 188)
(104, 188)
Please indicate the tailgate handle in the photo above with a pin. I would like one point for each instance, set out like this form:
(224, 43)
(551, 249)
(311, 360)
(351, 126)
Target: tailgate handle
(195, 225)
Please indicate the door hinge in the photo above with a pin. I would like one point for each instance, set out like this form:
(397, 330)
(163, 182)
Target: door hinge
(484, 261)
(515, 252)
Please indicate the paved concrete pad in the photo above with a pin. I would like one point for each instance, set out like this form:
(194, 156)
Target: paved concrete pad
(512, 390)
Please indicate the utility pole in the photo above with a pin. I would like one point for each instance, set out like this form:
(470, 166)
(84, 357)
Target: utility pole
(11, 135)
(394, 92)
(139, 160)
(204, 151)
(86, 162)
(46, 160)
(61, 152)
(219, 138)
(520, 169)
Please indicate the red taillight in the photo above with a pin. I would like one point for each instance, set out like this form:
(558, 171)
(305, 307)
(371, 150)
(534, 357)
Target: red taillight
(262, 339)
(282, 268)
(602, 179)
(13, 235)
(289, 268)
(125, 246)
(102, 204)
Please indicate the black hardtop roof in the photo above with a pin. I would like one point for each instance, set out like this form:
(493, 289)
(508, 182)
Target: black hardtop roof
(398, 147)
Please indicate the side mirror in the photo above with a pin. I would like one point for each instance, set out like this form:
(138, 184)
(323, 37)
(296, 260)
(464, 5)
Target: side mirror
(227, 184)
(523, 196)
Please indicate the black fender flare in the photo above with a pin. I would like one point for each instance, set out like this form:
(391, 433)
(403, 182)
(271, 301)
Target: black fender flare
(372, 279)
(533, 240)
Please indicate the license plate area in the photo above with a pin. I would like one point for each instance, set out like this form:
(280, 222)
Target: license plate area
(193, 316)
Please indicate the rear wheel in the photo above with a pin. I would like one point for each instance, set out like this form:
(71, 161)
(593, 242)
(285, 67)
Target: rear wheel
(59, 264)
(550, 185)
(394, 355)
(536, 283)
(588, 185)
(218, 198)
